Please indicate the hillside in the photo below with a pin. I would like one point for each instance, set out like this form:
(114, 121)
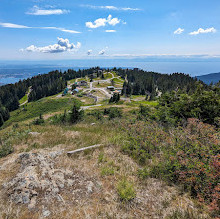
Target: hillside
(132, 82)
(153, 161)
(210, 78)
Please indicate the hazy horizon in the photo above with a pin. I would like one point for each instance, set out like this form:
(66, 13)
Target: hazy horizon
(13, 71)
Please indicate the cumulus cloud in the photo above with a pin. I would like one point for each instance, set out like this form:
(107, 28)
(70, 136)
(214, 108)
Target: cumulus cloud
(110, 31)
(89, 52)
(179, 31)
(37, 11)
(18, 26)
(201, 30)
(102, 22)
(62, 45)
(114, 8)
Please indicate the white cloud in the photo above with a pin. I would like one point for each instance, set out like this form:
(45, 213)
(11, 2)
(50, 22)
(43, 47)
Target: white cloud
(18, 26)
(62, 45)
(10, 25)
(113, 21)
(110, 31)
(89, 52)
(102, 22)
(37, 11)
(61, 29)
(102, 52)
(130, 9)
(114, 8)
(201, 30)
(179, 31)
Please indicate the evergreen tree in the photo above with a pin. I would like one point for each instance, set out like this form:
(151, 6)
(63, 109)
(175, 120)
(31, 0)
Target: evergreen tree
(76, 114)
(115, 98)
(1, 120)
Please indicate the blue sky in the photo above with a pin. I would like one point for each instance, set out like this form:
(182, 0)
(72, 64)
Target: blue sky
(55, 29)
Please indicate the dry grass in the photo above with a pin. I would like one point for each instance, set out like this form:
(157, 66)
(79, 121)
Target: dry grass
(154, 198)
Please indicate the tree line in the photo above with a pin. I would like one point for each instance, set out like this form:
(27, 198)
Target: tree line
(137, 82)
(40, 86)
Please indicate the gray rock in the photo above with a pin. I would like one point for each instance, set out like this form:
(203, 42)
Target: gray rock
(25, 198)
(38, 181)
(90, 187)
(46, 213)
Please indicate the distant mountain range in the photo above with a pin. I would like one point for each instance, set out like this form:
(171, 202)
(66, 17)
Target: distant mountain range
(213, 77)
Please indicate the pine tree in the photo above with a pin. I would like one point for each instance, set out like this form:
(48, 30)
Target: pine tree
(111, 99)
(75, 114)
(1, 120)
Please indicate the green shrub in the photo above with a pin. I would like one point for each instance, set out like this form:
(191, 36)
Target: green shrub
(113, 112)
(5, 150)
(126, 190)
(74, 116)
(107, 171)
(188, 156)
(97, 114)
(144, 112)
(38, 121)
(203, 104)
(143, 173)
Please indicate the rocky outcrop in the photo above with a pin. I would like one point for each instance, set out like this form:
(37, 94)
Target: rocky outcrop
(39, 181)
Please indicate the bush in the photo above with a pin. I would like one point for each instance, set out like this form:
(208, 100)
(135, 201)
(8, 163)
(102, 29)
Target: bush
(79, 95)
(144, 112)
(5, 150)
(188, 156)
(97, 114)
(74, 116)
(203, 104)
(113, 112)
(38, 121)
(143, 173)
(126, 190)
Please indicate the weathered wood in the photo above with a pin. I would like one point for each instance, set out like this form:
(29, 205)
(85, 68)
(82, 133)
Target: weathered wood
(85, 148)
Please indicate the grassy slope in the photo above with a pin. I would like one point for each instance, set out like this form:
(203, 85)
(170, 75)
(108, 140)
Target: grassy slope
(108, 166)
(42, 106)
(118, 81)
(112, 167)
(23, 99)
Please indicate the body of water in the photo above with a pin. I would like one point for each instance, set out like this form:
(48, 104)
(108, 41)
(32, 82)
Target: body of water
(11, 72)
